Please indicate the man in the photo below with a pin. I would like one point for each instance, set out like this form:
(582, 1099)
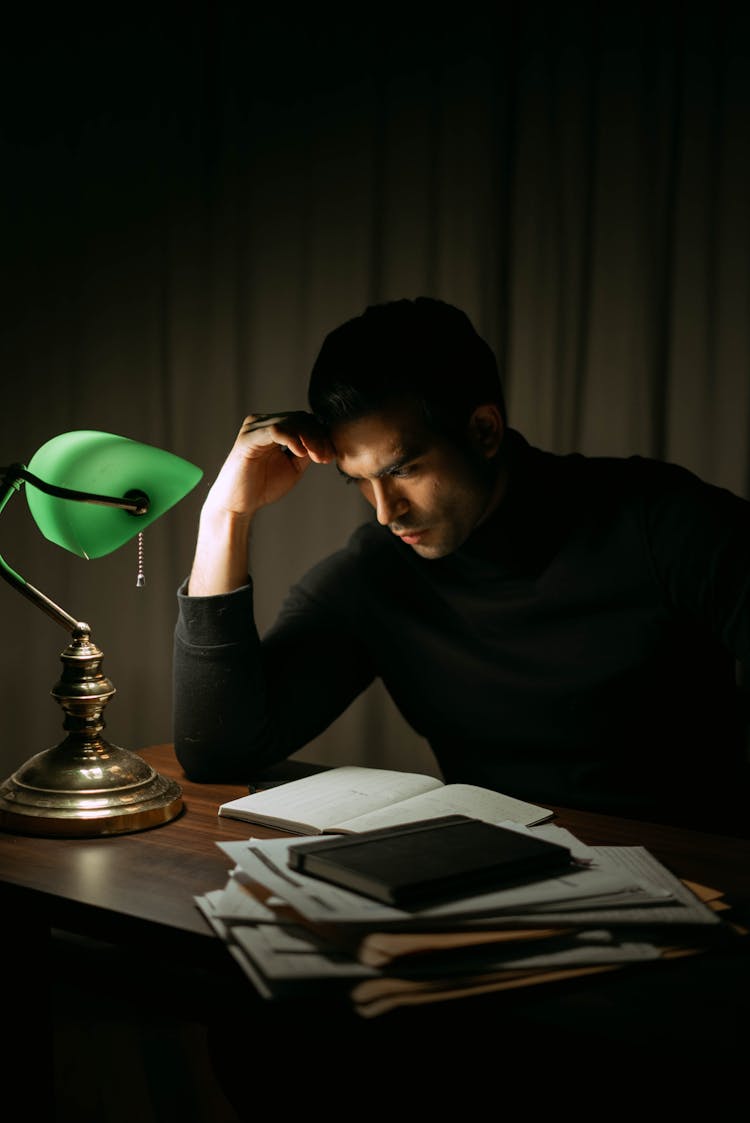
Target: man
(560, 628)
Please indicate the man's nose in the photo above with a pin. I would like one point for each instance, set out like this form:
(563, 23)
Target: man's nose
(389, 502)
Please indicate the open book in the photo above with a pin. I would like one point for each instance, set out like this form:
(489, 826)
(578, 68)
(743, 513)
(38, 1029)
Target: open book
(351, 799)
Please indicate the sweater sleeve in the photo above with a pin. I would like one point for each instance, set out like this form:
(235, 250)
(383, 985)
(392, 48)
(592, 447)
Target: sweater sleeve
(242, 703)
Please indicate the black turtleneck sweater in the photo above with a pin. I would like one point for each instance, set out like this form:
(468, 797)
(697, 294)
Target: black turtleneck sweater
(578, 650)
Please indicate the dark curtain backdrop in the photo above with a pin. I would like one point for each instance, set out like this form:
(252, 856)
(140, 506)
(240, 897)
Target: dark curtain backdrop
(193, 196)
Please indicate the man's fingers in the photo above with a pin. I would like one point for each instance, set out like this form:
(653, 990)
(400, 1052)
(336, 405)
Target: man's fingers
(317, 447)
(261, 421)
(296, 431)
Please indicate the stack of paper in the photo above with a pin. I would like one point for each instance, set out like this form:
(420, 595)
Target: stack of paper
(292, 933)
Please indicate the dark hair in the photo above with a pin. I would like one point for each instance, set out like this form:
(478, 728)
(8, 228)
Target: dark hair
(422, 349)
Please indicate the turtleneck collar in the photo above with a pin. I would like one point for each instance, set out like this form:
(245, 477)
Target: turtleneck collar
(526, 527)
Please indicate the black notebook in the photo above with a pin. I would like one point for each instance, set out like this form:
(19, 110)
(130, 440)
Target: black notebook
(420, 863)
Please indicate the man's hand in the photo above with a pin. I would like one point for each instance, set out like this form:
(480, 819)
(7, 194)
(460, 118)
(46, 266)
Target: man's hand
(269, 456)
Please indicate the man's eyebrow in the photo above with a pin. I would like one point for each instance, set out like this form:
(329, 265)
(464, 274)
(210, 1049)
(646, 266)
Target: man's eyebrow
(401, 461)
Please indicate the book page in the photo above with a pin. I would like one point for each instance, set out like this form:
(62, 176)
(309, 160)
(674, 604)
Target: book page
(451, 799)
(316, 803)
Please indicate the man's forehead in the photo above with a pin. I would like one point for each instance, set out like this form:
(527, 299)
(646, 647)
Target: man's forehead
(377, 441)
(387, 435)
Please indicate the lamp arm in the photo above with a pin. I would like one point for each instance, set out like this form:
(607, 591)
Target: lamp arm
(11, 484)
(40, 600)
(137, 503)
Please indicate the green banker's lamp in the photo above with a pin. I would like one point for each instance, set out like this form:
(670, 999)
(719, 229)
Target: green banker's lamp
(90, 493)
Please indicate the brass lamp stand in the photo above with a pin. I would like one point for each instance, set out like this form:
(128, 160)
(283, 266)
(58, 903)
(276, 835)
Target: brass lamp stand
(85, 786)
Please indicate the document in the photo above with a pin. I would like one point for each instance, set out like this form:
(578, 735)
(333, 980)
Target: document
(682, 908)
(264, 862)
(292, 959)
(294, 934)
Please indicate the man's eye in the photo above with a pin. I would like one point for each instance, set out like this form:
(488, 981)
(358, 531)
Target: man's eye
(402, 473)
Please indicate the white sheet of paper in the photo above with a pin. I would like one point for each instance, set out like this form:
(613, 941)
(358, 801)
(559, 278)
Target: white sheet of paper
(280, 957)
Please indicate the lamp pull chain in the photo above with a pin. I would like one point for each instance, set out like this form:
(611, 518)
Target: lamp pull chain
(140, 580)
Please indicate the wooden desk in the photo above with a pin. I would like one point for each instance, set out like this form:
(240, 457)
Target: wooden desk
(139, 885)
(135, 892)
(144, 883)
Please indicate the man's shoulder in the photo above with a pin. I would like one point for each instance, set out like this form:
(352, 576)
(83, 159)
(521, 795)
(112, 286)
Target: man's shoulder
(634, 467)
(636, 475)
(674, 508)
(657, 481)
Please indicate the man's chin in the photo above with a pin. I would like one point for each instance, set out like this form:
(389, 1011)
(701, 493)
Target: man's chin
(420, 543)
(431, 550)
(430, 544)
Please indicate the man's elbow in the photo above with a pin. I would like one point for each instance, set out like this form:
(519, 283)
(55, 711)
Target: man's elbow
(197, 765)
(210, 762)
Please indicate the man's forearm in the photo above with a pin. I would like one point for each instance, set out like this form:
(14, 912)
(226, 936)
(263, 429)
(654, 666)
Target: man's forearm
(240, 705)
(221, 726)
(220, 562)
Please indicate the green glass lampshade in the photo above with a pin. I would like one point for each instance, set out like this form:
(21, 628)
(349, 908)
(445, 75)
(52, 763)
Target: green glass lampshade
(103, 464)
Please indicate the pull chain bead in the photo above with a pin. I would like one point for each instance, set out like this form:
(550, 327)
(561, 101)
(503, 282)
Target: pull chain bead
(140, 580)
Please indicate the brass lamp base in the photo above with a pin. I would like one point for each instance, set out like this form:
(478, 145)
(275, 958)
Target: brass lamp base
(55, 796)
(85, 787)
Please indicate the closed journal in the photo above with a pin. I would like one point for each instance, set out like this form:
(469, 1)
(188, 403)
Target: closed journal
(428, 861)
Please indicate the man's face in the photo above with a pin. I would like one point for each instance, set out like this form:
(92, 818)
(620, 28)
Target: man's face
(425, 489)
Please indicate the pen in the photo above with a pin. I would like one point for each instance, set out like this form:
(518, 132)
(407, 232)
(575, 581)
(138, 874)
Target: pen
(263, 421)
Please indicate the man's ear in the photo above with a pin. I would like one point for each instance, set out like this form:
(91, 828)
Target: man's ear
(486, 429)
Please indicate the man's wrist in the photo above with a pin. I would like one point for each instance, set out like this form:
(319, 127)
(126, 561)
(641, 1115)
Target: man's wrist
(223, 523)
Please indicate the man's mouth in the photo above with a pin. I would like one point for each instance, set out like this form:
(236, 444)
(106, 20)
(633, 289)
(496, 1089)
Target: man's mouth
(410, 537)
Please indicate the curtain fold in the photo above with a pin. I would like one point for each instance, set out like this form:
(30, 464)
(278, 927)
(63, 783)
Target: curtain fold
(191, 204)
